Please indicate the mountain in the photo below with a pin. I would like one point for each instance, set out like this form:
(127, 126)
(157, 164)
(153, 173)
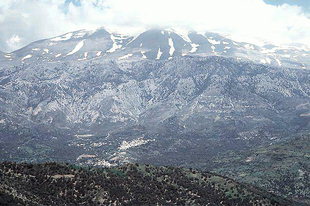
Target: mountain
(162, 112)
(153, 44)
(133, 184)
(78, 45)
(281, 168)
(163, 97)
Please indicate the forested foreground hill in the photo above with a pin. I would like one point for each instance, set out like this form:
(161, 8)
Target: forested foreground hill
(132, 184)
(282, 168)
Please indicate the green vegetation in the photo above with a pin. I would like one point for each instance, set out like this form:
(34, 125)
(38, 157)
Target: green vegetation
(131, 184)
(281, 168)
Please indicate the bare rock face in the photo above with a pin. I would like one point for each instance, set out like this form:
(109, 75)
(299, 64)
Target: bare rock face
(163, 96)
(168, 111)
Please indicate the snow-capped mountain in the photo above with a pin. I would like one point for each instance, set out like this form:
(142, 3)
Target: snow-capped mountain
(158, 44)
(79, 45)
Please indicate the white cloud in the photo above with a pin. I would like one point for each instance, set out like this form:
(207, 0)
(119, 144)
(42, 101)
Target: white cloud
(13, 41)
(247, 20)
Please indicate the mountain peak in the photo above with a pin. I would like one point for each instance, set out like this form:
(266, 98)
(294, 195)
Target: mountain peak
(157, 44)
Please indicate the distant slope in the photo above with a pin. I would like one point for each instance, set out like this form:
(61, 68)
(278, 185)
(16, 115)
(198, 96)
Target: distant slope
(55, 184)
(282, 168)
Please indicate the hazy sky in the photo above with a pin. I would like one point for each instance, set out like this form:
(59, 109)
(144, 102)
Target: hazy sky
(275, 21)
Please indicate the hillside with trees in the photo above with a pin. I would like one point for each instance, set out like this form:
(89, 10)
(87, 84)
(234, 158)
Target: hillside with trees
(131, 184)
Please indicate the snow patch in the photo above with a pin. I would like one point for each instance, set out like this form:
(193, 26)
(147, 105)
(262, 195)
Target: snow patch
(63, 37)
(77, 48)
(125, 57)
(26, 57)
(46, 50)
(214, 42)
(2, 121)
(36, 49)
(159, 53)
(183, 34)
(57, 55)
(143, 55)
(194, 48)
(98, 53)
(172, 49)
(85, 56)
(213, 48)
(279, 62)
(115, 45)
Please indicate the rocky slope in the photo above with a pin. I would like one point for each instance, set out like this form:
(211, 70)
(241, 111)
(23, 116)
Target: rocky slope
(178, 110)
(133, 184)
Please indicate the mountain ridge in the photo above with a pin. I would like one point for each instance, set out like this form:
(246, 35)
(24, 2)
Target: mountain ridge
(84, 45)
